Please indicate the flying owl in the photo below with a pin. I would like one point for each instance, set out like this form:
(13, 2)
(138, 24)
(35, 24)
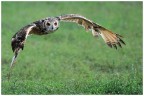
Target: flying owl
(51, 24)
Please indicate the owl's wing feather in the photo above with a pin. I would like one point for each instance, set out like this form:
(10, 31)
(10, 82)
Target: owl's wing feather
(110, 38)
(87, 24)
(19, 39)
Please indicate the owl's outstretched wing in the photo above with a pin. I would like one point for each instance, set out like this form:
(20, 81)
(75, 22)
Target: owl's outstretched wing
(19, 39)
(110, 38)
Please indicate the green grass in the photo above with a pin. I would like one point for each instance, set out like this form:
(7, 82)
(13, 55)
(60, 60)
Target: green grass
(71, 61)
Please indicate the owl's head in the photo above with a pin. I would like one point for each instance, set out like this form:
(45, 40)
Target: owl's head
(50, 24)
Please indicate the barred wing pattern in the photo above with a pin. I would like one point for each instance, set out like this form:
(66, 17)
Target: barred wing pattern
(111, 39)
(51, 24)
(19, 39)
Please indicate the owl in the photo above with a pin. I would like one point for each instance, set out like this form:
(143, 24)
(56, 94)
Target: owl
(51, 24)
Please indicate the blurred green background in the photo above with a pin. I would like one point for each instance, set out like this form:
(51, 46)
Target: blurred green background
(72, 61)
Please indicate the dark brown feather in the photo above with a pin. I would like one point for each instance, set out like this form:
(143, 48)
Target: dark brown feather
(109, 44)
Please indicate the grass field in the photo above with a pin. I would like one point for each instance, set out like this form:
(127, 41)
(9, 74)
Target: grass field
(72, 61)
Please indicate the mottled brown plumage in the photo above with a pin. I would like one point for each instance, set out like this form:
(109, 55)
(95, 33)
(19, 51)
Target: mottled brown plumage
(51, 24)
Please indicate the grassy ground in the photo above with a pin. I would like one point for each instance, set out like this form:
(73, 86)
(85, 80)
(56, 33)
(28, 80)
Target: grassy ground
(71, 61)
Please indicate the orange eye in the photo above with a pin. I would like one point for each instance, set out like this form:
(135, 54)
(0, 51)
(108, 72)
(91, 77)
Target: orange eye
(48, 24)
(55, 23)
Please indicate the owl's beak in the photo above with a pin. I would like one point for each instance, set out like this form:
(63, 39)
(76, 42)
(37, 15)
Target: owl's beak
(52, 28)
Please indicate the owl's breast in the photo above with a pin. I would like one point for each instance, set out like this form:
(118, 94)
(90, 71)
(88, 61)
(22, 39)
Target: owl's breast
(43, 31)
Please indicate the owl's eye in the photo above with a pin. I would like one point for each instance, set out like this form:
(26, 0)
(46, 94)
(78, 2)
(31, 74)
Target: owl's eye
(48, 24)
(55, 23)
